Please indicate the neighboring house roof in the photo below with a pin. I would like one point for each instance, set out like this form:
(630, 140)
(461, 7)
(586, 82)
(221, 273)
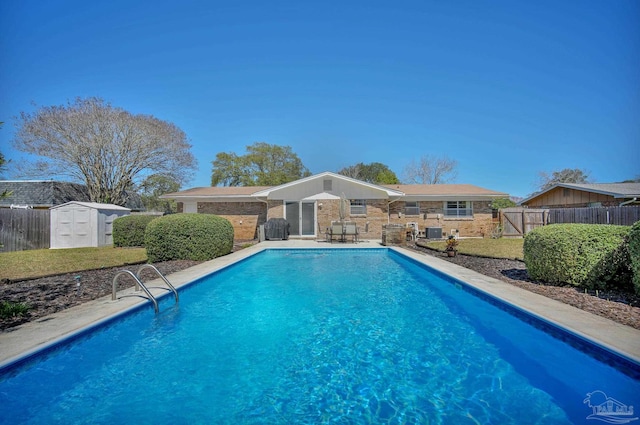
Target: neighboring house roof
(41, 193)
(408, 192)
(616, 190)
(48, 193)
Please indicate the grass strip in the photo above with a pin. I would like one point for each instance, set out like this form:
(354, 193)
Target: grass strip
(492, 248)
(18, 265)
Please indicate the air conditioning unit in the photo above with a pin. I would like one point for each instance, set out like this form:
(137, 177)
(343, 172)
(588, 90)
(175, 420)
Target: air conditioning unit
(434, 232)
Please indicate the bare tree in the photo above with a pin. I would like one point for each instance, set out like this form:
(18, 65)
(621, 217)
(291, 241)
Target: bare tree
(105, 147)
(431, 170)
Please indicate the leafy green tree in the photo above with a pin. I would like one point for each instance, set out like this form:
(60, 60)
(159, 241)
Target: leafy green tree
(567, 175)
(107, 148)
(153, 187)
(376, 173)
(501, 203)
(262, 165)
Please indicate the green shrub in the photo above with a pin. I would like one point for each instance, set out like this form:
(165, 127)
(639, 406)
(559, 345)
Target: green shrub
(595, 256)
(634, 254)
(129, 230)
(11, 309)
(188, 237)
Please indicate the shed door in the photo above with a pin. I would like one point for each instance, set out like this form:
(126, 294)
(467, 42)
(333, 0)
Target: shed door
(73, 228)
(82, 227)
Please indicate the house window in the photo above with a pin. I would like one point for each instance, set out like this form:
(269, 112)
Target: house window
(358, 206)
(453, 209)
(326, 185)
(411, 208)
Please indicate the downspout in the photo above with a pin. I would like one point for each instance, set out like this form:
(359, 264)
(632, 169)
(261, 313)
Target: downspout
(267, 216)
(631, 201)
(266, 201)
(389, 209)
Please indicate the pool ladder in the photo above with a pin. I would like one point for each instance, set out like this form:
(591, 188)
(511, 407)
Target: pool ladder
(141, 285)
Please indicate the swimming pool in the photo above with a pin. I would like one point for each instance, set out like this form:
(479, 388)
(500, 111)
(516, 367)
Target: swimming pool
(318, 336)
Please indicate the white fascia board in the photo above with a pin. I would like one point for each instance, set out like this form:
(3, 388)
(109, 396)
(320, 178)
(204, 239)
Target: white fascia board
(390, 192)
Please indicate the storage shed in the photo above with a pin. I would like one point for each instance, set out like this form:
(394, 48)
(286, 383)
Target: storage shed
(84, 224)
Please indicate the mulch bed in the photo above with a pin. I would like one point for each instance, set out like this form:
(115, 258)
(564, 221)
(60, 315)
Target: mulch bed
(621, 307)
(51, 294)
(48, 295)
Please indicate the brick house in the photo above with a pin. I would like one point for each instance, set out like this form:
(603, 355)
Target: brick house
(312, 203)
(578, 195)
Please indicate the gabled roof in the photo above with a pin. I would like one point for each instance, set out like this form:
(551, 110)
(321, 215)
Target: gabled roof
(617, 190)
(390, 192)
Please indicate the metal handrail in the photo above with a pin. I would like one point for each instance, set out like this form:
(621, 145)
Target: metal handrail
(139, 284)
(152, 267)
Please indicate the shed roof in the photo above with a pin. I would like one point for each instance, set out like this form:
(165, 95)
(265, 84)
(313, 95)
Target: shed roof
(94, 205)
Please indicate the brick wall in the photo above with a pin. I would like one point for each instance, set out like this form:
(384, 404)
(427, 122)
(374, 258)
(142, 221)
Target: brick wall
(479, 226)
(244, 216)
(247, 216)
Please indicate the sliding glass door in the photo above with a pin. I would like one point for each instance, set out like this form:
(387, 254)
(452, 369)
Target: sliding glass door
(301, 217)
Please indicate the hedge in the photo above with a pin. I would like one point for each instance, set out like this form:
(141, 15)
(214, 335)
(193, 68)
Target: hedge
(634, 254)
(188, 236)
(595, 256)
(128, 231)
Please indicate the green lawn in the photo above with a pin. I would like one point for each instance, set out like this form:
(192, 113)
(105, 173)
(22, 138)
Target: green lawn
(43, 262)
(495, 248)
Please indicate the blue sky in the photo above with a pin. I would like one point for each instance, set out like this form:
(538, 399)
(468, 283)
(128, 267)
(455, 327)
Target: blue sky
(507, 88)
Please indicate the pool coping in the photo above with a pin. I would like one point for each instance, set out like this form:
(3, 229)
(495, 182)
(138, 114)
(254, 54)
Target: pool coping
(32, 337)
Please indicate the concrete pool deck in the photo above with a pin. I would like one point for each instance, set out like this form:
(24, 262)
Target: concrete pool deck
(34, 336)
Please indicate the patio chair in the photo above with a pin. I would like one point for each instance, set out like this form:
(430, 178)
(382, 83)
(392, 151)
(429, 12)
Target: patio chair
(336, 230)
(412, 231)
(351, 230)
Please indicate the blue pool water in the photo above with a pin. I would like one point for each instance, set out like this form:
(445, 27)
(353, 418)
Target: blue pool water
(317, 336)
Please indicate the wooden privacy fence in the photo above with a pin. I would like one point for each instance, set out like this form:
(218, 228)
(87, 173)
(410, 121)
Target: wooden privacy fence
(517, 222)
(623, 216)
(24, 229)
